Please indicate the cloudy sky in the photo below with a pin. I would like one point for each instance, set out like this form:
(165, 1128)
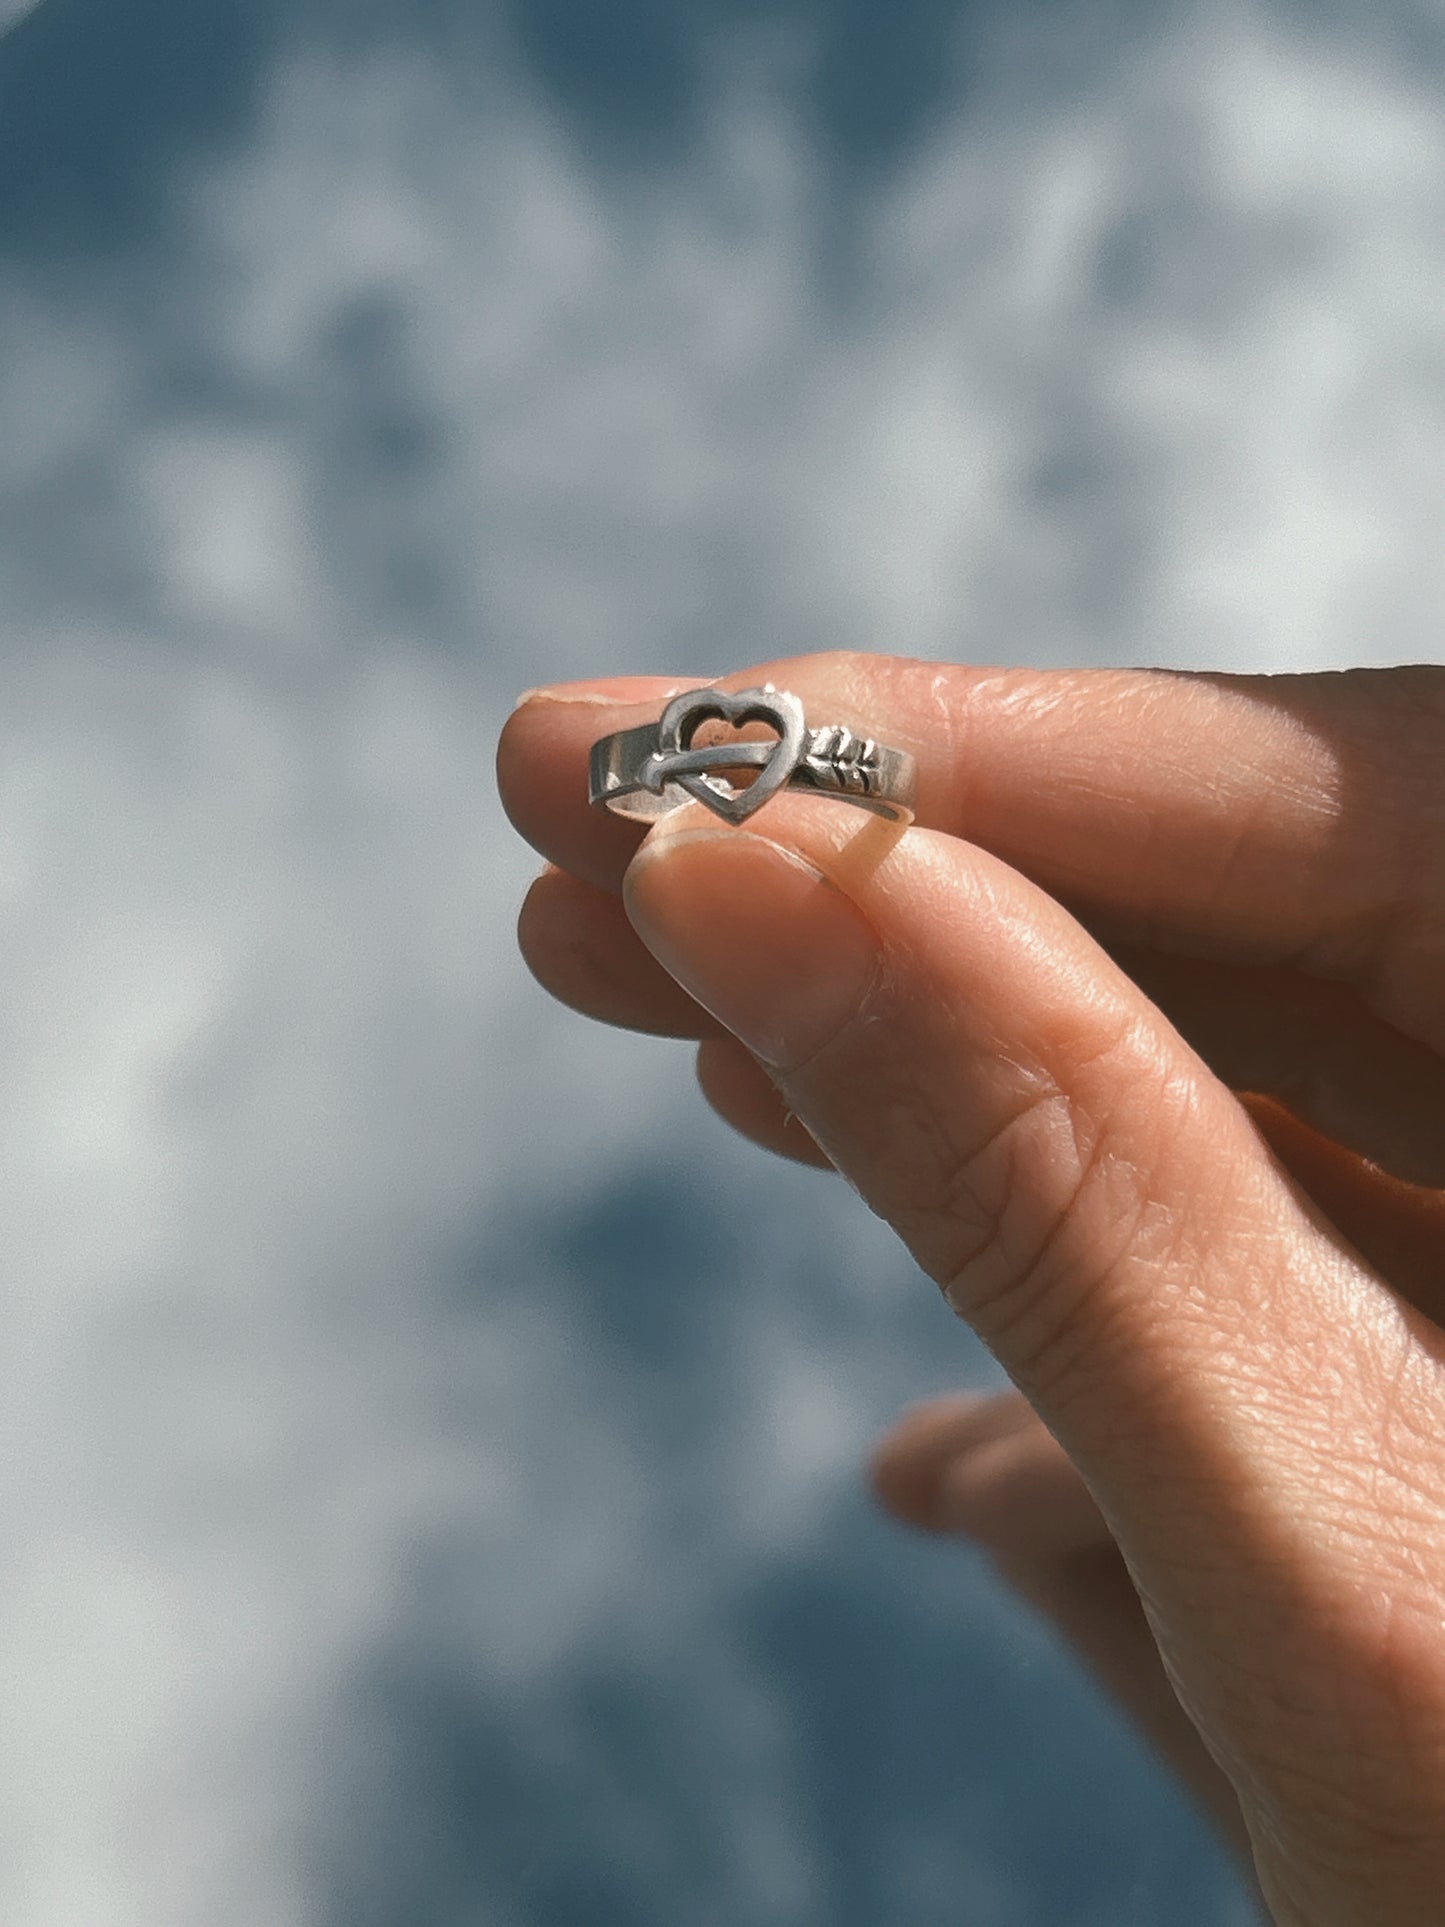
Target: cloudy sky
(431, 1442)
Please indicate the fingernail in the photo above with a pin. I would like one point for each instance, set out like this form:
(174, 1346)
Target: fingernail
(610, 692)
(760, 937)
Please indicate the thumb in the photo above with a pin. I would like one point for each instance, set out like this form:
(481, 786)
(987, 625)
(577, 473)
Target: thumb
(1105, 1215)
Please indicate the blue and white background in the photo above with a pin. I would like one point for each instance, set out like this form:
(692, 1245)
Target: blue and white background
(431, 1443)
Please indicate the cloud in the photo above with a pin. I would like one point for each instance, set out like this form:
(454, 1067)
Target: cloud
(12, 12)
(402, 1373)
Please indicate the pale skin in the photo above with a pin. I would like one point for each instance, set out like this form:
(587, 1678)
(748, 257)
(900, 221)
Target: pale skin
(1137, 1039)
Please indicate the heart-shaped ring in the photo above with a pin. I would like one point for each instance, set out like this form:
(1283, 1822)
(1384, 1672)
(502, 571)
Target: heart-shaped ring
(639, 772)
(676, 761)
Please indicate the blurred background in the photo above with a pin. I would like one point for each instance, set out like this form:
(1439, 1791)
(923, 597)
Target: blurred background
(431, 1443)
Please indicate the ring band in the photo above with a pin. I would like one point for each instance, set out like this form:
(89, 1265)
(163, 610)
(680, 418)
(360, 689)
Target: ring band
(646, 772)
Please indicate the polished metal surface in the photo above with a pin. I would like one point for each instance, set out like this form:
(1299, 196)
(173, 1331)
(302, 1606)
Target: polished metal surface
(647, 771)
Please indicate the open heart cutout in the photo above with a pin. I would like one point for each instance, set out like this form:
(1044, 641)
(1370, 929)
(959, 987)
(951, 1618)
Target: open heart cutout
(678, 762)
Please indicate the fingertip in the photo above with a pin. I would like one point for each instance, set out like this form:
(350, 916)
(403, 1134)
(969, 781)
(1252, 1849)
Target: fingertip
(907, 1467)
(542, 916)
(541, 774)
(578, 944)
(742, 1094)
(537, 925)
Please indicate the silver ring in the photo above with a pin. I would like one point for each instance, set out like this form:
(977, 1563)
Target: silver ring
(648, 771)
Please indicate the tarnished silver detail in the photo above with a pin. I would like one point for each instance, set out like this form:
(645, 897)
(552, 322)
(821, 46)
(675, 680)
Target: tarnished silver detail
(676, 761)
(647, 771)
(837, 759)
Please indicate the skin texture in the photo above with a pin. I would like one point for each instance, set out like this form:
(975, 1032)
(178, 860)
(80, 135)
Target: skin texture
(1137, 1039)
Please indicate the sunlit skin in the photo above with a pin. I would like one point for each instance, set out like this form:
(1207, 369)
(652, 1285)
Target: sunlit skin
(1137, 1038)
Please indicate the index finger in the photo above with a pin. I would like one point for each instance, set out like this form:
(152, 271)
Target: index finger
(1261, 819)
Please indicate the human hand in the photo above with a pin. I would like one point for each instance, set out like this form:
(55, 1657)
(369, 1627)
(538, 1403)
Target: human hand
(1020, 1030)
